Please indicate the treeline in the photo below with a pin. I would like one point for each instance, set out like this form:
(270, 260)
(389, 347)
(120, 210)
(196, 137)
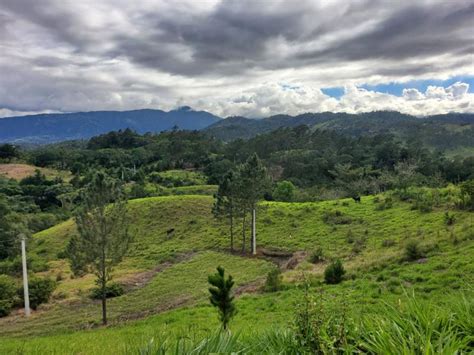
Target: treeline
(325, 161)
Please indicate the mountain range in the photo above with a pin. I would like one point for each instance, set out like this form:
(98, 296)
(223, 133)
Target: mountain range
(56, 127)
(446, 132)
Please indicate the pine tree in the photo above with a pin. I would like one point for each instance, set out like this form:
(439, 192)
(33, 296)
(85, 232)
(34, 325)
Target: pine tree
(253, 182)
(102, 238)
(226, 203)
(221, 296)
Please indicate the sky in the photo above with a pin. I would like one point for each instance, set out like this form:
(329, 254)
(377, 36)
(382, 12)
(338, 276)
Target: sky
(252, 58)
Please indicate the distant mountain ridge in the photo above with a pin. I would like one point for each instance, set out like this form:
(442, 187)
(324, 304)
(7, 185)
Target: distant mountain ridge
(56, 127)
(446, 132)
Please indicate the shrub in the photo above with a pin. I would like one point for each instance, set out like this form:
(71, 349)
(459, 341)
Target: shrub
(320, 328)
(13, 266)
(317, 256)
(336, 217)
(40, 290)
(284, 191)
(273, 282)
(7, 294)
(41, 221)
(467, 192)
(334, 272)
(413, 250)
(449, 218)
(423, 202)
(111, 290)
(384, 204)
(350, 236)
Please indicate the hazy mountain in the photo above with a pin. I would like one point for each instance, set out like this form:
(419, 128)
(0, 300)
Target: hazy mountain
(447, 131)
(47, 128)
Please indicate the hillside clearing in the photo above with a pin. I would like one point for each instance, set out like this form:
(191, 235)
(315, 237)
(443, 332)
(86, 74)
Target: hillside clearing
(20, 171)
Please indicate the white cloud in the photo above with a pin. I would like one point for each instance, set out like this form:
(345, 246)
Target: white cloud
(271, 99)
(230, 57)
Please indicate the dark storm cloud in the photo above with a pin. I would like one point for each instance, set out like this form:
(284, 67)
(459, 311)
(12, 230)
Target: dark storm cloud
(236, 36)
(75, 55)
(410, 32)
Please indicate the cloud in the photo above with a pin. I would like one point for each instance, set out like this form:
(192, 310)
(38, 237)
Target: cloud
(271, 99)
(230, 56)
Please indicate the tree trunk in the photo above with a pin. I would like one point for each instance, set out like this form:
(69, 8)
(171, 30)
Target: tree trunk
(243, 234)
(231, 233)
(254, 237)
(103, 285)
(104, 305)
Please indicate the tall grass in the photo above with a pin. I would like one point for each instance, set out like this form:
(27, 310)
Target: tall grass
(419, 327)
(414, 326)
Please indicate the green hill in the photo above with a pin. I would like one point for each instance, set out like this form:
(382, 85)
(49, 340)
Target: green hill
(165, 273)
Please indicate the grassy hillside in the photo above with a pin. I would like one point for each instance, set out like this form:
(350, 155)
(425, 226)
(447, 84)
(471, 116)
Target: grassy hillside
(165, 273)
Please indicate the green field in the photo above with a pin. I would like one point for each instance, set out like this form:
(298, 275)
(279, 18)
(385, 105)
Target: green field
(166, 273)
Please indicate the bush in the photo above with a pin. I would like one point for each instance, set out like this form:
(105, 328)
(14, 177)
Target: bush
(41, 221)
(413, 250)
(424, 202)
(334, 272)
(317, 256)
(13, 266)
(384, 204)
(467, 192)
(7, 294)
(111, 290)
(40, 290)
(336, 217)
(449, 218)
(273, 282)
(284, 191)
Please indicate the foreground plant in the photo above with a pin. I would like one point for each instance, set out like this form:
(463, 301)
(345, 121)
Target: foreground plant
(221, 295)
(419, 327)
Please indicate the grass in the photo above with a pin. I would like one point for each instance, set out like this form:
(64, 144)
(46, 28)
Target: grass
(173, 301)
(411, 325)
(182, 284)
(20, 171)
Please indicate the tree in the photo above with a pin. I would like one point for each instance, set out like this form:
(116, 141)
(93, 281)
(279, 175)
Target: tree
(253, 181)
(12, 224)
(221, 296)
(467, 191)
(226, 203)
(284, 191)
(103, 237)
(8, 152)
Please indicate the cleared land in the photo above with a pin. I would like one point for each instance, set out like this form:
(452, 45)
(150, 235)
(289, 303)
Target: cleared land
(167, 273)
(20, 171)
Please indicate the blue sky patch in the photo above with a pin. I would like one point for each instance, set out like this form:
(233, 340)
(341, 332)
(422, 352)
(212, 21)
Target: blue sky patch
(397, 88)
(421, 85)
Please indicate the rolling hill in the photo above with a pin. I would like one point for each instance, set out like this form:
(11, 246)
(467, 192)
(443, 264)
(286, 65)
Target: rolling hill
(165, 275)
(445, 132)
